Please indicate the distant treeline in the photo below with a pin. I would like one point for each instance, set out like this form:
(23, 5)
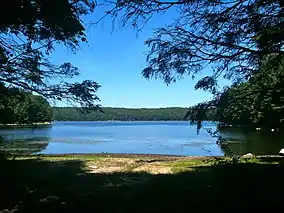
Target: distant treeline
(122, 114)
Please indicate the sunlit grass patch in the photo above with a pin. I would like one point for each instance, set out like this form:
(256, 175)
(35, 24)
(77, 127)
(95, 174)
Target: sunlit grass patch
(187, 165)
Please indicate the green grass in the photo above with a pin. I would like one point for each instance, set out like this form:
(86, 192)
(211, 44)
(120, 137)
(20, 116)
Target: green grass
(131, 167)
(187, 165)
(62, 184)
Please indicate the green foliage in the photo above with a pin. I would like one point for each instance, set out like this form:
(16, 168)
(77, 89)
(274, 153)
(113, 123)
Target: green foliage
(17, 106)
(123, 114)
(38, 109)
(29, 31)
(205, 111)
(257, 102)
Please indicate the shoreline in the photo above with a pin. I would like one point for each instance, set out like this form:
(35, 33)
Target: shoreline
(151, 163)
(135, 155)
(121, 155)
(25, 125)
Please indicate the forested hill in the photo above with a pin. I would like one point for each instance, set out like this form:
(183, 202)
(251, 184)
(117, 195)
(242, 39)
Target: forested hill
(122, 114)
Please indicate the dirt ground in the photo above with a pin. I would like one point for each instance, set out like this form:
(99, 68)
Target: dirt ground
(128, 183)
(109, 165)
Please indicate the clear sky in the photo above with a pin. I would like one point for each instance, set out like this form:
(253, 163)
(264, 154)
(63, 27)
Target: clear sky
(115, 59)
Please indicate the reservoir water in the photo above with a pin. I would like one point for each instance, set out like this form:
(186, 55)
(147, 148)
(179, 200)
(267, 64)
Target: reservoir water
(153, 137)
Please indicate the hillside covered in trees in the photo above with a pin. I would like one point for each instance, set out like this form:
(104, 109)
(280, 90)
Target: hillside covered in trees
(122, 114)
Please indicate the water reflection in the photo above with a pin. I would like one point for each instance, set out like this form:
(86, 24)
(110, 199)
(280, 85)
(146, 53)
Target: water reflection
(178, 138)
(25, 141)
(241, 141)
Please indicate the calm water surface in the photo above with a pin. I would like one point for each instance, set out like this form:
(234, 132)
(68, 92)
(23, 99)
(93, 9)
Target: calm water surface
(178, 138)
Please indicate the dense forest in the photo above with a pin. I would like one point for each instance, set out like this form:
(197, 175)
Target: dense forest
(19, 107)
(122, 114)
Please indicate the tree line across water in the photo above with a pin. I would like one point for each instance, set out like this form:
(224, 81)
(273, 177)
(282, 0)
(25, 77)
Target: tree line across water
(122, 114)
(256, 102)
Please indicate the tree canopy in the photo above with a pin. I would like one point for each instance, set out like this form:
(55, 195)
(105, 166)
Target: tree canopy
(239, 40)
(257, 102)
(231, 37)
(29, 33)
(17, 106)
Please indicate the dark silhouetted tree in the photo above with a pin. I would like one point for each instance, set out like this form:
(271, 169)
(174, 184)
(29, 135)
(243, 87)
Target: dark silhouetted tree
(240, 40)
(231, 37)
(29, 33)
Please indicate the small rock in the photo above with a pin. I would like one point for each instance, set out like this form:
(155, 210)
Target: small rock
(93, 167)
(258, 129)
(49, 199)
(281, 152)
(248, 155)
(272, 130)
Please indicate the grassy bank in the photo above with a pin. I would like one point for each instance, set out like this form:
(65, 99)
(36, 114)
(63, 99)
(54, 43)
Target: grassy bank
(102, 183)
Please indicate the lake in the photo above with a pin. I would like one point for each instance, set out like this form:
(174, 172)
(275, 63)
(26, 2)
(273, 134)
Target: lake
(161, 137)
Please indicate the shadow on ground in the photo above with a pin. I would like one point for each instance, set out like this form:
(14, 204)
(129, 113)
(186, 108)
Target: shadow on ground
(45, 186)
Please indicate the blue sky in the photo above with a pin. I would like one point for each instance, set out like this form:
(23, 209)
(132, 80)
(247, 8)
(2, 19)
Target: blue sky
(115, 59)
